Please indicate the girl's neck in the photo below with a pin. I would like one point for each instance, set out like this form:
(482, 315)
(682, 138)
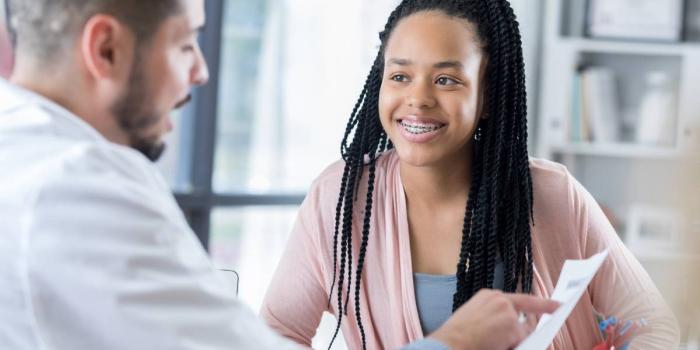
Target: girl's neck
(439, 184)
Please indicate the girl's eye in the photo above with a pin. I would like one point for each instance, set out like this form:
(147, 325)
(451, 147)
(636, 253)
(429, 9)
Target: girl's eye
(400, 78)
(188, 48)
(446, 81)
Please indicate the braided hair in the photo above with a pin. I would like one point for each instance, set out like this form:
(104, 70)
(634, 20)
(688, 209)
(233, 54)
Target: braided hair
(499, 207)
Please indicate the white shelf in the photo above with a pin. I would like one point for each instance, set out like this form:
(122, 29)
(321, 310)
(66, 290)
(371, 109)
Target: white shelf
(624, 150)
(631, 47)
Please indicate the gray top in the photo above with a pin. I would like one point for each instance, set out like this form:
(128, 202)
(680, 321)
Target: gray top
(426, 344)
(434, 295)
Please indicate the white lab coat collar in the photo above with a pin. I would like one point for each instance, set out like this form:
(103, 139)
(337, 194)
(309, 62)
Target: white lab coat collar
(14, 97)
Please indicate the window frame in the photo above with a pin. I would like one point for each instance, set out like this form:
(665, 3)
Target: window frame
(198, 143)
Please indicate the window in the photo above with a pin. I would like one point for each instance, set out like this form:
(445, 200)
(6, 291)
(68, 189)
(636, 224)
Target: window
(285, 75)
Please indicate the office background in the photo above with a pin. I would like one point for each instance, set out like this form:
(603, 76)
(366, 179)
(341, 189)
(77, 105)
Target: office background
(286, 73)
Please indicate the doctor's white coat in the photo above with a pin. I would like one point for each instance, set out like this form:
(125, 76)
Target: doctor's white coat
(94, 252)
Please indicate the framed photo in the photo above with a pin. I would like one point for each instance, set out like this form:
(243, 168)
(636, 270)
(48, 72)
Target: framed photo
(653, 228)
(658, 20)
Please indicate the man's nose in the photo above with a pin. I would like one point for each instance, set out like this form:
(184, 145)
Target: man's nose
(200, 71)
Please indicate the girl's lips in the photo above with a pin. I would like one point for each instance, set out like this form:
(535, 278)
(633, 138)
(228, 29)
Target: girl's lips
(416, 120)
(419, 132)
(419, 128)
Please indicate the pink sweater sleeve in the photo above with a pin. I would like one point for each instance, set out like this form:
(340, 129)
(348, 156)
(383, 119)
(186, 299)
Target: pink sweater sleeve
(297, 297)
(621, 288)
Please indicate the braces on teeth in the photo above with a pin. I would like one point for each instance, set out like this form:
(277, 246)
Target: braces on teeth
(419, 129)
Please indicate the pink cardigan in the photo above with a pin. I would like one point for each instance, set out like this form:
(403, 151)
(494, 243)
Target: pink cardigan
(568, 225)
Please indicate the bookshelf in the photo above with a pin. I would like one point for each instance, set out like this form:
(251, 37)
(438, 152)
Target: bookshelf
(567, 52)
(628, 168)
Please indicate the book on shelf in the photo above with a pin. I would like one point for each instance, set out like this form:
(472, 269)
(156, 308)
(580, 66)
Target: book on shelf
(595, 106)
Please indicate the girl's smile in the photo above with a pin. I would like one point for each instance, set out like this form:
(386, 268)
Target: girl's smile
(419, 129)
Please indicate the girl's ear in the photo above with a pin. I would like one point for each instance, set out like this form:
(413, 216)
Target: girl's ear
(483, 85)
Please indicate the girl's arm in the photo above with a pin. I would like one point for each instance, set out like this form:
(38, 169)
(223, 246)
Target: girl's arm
(297, 295)
(622, 288)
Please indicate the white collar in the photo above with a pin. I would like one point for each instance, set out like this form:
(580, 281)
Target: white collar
(16, 97)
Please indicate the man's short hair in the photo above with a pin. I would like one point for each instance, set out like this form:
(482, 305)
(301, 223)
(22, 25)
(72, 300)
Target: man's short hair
(45, 28)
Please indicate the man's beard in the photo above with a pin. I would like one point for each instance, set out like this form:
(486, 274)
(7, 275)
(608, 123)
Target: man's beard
(153, 150)
(134, 114)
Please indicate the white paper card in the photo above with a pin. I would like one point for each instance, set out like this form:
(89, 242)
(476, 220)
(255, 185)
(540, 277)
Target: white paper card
(573, 281)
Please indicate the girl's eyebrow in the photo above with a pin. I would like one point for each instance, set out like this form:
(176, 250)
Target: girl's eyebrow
(400, 62)
(440, 65)
(449, 64)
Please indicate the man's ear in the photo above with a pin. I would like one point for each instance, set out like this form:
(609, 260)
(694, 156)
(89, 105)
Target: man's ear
(106, 47)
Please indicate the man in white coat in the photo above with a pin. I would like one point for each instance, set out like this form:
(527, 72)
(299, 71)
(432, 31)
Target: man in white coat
(94, 251)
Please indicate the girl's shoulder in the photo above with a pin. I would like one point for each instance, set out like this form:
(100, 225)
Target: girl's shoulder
(553, 192)
(548, 172)
(558, 203)
(551, 181)
(320, 206)
(330, 178)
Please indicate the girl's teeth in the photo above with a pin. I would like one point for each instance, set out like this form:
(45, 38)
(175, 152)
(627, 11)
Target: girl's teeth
(420, 128)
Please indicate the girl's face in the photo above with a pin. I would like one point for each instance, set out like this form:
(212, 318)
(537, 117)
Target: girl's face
(430, 99)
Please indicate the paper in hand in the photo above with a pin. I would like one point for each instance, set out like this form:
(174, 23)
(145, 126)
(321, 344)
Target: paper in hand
(573, 281)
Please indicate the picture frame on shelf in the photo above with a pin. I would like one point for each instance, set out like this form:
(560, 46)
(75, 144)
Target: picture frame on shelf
(652, 20)
(651, 227)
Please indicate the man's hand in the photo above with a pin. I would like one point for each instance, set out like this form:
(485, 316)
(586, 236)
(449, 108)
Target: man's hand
(489, 320)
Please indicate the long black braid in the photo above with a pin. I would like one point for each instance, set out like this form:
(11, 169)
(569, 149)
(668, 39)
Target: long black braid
(498, 211)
